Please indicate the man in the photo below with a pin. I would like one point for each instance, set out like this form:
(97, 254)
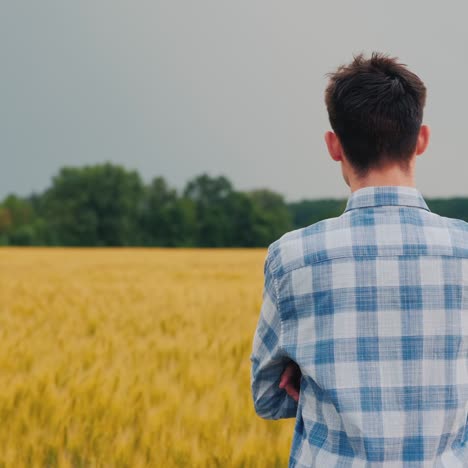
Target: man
(363, 330)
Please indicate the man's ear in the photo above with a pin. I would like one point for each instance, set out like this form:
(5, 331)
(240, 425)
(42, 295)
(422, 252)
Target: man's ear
(423, 139)
(334, 146)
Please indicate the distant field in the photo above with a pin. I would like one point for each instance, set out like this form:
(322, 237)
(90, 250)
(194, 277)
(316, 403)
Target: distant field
(132, 358)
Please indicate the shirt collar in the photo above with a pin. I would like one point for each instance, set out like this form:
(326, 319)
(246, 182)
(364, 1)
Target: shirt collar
(386, 195)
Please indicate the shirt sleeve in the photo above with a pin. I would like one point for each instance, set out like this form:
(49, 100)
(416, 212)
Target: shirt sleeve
(268, 360)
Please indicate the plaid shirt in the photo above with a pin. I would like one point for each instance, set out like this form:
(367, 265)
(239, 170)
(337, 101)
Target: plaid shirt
(372, 306)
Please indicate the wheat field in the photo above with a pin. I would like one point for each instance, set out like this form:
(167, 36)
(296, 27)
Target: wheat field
(132, 358)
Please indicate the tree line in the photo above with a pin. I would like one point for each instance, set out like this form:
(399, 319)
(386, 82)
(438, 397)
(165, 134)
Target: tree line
(108, 205)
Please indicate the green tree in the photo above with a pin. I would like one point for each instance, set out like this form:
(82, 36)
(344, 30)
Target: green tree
(5, 225)
(212, 197)
(306, 212)
(94, 206)
(449, 207)
(272, 216)
(166, 219)
(19, 222)
(242, 220)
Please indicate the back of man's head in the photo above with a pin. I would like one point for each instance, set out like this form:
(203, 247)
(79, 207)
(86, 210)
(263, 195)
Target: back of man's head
(375, 107)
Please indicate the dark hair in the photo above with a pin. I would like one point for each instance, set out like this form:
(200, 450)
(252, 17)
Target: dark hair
(375, 107)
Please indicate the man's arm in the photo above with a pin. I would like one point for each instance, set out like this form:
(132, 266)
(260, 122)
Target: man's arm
(268, 359)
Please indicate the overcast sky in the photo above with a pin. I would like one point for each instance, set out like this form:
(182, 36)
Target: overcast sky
(236, 88)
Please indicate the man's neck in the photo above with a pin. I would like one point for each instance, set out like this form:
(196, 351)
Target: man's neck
(389, 176)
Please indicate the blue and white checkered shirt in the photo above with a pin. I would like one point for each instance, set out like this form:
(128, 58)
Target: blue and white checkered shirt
(373, 307)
